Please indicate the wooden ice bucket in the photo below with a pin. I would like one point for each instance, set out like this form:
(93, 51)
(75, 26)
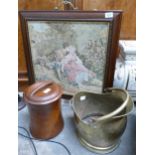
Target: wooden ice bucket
(43, 101)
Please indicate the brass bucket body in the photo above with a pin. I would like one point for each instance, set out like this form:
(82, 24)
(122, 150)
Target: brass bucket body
(101, 118)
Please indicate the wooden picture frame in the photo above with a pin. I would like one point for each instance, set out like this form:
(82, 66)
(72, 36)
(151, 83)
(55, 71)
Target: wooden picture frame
(76, 49)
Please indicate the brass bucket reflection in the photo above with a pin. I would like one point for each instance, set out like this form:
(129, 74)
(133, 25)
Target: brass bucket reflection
(101, 118)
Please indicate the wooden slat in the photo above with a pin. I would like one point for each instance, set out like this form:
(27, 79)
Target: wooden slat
(128, 28)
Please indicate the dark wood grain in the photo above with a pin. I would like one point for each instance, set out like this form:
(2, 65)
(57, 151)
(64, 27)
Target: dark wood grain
(113, 50)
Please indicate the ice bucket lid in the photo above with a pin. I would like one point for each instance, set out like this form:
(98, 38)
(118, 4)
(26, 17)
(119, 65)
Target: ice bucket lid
(43, 92)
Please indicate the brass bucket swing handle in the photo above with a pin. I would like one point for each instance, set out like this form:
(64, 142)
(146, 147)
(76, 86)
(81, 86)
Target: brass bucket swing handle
(128, 104)
(115, 114)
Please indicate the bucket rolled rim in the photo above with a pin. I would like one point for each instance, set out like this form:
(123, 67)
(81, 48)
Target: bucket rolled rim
(113, 114)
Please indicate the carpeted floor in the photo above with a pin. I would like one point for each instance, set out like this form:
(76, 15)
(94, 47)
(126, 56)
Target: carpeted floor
(69, 138)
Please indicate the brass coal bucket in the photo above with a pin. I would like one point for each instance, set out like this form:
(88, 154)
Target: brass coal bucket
(101, 118)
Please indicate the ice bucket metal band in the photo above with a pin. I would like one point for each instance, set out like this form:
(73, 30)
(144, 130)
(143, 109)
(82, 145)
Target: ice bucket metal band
(101, 118)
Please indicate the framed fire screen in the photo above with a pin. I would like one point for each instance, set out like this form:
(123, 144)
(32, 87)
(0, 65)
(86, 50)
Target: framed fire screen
(76, 49)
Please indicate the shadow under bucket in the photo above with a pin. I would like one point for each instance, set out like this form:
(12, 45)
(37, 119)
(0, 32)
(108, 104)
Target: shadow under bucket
(101, 118)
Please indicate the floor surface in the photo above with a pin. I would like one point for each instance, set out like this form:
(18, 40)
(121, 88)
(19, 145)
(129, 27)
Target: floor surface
(69, 138)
